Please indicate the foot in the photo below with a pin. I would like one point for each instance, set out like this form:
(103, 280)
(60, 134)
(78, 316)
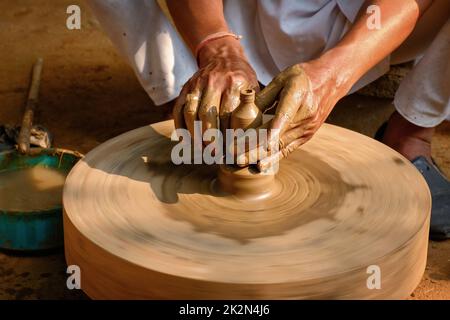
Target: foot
(408, 139)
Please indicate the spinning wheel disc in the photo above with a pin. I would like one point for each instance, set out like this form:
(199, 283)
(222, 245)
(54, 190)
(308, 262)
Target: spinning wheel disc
(140, 227)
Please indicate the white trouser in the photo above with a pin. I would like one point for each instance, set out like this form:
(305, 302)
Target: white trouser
(423, 97)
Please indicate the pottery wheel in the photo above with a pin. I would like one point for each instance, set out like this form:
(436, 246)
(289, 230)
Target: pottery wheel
(139, 226)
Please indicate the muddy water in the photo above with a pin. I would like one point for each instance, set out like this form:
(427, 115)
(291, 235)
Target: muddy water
(31, 189)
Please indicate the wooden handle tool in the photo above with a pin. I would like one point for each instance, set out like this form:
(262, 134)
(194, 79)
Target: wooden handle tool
(23, 140)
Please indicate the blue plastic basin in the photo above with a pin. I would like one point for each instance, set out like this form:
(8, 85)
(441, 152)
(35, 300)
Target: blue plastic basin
(34, 230)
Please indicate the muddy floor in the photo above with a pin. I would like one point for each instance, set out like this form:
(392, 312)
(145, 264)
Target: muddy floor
(88, 95)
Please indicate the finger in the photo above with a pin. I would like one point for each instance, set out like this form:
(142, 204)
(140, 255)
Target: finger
(208, 110)
(290, 136)
(253, 151)
(290, 101)
(177, 111)
(291, 140)
(191, 110)
(257, 154)
(304, 127)
(270, 161)
(252, 156)
(230, 101)
(267, 96)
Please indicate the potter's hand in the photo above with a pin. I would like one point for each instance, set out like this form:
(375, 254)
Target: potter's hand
(214, 89)
(306, 94)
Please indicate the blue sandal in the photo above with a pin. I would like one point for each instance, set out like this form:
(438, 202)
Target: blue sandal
(440, 193)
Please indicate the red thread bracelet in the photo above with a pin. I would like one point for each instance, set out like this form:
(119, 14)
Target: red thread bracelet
(214, 36)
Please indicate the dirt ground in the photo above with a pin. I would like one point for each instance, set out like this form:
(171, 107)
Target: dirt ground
(88, 95)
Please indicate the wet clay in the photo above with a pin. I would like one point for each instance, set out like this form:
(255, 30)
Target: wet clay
(245, 183)
(31, 189)
(247, 114)
(336, 206)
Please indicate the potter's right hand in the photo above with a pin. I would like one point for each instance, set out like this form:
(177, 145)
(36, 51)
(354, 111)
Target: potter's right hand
(214, 89)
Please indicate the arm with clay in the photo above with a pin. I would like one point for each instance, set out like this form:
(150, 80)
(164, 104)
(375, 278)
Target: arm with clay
(307, 92)
(223, 67)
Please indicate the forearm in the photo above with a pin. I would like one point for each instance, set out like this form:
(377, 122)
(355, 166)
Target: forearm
(195, 19)
(363, 47)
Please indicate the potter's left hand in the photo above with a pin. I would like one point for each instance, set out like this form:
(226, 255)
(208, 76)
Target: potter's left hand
(306, 94)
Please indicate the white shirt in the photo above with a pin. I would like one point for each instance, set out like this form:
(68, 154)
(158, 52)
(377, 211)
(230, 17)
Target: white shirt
(276, 34)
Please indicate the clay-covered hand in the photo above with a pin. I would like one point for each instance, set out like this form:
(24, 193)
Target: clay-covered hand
(304, 95)
(215, 88)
